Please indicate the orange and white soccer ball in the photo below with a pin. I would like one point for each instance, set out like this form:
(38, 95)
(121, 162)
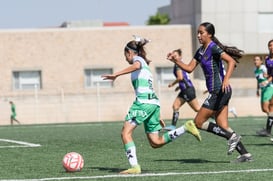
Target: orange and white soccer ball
(73, 162)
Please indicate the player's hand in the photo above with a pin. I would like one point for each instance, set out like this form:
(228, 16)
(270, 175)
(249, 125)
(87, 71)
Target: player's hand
(169, 56)
(109, 77)
(226, 86)
(264, 83)
(258, 93)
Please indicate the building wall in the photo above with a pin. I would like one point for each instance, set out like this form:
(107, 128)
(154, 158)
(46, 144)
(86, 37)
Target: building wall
(240, 22)
(237, 22)
(63, 54)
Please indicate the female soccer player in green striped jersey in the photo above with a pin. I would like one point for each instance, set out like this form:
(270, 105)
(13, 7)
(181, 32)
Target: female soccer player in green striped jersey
(145, 109)
(261, 74)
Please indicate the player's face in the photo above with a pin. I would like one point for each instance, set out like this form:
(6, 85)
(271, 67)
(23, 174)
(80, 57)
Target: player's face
(203, 36)
(270, 47)
(128, 56)
(257, 61)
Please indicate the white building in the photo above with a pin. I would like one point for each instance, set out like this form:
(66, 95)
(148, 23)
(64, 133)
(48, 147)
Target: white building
(246, 24)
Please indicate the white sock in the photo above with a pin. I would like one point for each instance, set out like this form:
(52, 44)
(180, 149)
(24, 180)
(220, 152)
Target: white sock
(131, 154)
(177, 132)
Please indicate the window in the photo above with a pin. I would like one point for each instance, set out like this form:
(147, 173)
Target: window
(164, 75)
(26, 80)
(265, 20)
(93, 78)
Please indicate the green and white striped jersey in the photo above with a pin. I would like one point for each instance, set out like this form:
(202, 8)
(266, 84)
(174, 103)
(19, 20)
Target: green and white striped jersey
(142, 80)
(259, 74)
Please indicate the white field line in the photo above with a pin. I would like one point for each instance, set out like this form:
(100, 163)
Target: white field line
(62, 125)
(146, 175)
(20, 144)
(99, 124)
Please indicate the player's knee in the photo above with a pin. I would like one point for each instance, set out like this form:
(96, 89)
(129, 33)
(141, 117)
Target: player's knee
(175, 107)
(265, 110)
(198, 125)
(154, 145)
(196, 109)
(124, 134)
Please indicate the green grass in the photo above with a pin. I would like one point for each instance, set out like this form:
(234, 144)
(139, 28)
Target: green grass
(103, 153)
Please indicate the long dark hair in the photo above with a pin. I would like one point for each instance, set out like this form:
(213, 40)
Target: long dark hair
(232, 51)
(138, 47)
(270, 54)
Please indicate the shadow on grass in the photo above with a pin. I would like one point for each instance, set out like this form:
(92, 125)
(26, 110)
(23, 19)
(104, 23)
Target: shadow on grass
(112, 170)
(261, 144)
(190, 161)
(252, 135)
(107, 169)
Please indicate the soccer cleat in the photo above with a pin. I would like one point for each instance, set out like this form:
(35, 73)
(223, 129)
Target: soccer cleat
(243, 158)
(263, 132)
(169, 128)
(191, 128)
(232, 143)
(134, 170)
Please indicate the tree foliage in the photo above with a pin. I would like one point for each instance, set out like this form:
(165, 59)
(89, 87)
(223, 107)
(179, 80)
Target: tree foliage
(158, 19)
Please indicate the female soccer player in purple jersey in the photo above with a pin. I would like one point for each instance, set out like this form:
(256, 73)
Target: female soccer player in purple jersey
(187, 90)
(210, 56)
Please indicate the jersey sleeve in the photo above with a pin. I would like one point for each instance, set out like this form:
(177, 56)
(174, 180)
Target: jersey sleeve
(264, 69)
(140, 60)
(197, 56)
(216, 52)
(177, 68)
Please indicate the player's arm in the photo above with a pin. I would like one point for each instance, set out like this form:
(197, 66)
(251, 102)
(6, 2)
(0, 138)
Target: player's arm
(178, 78)
(267, 76)
(187, 67)
(230, 67)
(258, 89)
(135, 66)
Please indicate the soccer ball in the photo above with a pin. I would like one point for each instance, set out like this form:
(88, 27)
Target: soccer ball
(73, 162)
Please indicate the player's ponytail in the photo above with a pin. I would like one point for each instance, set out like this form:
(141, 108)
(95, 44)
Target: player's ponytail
(268, 44)
(137, 46)
(232, 51)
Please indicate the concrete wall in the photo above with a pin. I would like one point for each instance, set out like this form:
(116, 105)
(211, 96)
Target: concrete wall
(63, 54)
(238, 22)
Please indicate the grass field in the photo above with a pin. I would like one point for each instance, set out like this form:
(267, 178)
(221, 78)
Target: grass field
(35, 152)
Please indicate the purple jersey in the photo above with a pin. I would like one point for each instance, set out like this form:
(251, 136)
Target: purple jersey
(269, 66)
(186, 82)
(212, 65)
